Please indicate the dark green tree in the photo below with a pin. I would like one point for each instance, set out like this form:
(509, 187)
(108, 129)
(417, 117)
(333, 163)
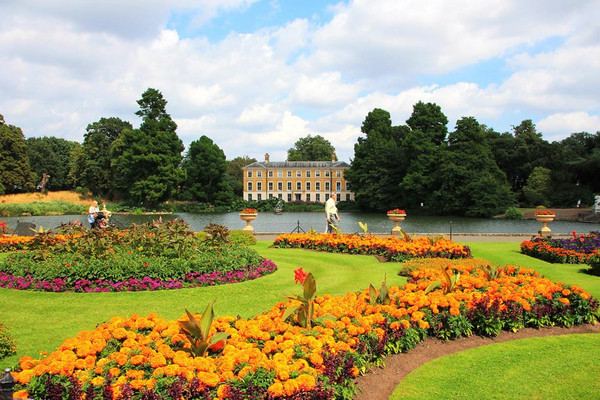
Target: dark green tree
(146, 161)
(15, 174)
(235, 174)
(94, 168)
(376, 168)
(311, 148)
(429, 119)
(205, 167)
(468, 180)
(52, 156)
(538, 188)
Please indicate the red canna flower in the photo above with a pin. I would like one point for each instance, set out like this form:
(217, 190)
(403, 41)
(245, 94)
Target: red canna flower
(299, 276)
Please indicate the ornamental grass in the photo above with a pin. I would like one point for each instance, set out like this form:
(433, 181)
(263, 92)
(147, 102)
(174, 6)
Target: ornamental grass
(267, 357)
(392, 248)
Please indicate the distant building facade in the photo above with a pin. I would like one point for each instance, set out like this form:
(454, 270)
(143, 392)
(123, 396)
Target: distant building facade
(309, 181)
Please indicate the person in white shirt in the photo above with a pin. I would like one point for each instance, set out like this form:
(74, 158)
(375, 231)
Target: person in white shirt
(93, 213)
(331, 213)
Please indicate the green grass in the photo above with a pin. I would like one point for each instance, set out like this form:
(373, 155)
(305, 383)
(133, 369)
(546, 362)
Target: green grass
(41, 321)
(565, 367)
(558, 367)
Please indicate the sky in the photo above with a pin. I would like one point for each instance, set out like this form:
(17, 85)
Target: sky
(257, 75)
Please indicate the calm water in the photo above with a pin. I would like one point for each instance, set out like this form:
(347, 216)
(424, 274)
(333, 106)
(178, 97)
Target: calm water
(287, 222)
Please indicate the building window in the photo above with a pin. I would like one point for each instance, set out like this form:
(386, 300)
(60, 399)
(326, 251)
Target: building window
(318, 173)
(337, 197)
(307, 186)
(298, 197)
(289, 174)
(338, 186)
(279, 196)
(308, 174)
(347, 186)
(259, 186)
(327, 173)
(270, 173)
(317, 186)
(270, 195)
(249, 196)
(299, 174)
(307, 196)
(289, 197)
(348, 197)
(327, 189)
(270, 186)
(298, 185)
(289, 185)
(318, 197)
(249, 186)
(259, 197)
(280, 186)
(338, 174)
(249, 174)
(259, 174)
(280, 174)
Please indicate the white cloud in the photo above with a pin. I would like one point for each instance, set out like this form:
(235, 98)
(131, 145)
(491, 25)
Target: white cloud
(555, 126)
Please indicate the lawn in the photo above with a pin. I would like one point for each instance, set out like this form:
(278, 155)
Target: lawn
(41, 321)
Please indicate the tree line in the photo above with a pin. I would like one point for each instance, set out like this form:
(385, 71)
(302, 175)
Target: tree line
(420, 166)
(471, 171)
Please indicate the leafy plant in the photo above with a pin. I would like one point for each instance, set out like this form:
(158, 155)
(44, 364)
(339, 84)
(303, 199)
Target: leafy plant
(448, 284)
(383, 297)
(364, 227)
(216, 234)
(305, 310)
(513, 213)
(491, 271)
(197, 333)
(8, 346)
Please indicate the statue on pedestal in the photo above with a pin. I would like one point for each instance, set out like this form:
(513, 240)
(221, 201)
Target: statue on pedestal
(597, 204)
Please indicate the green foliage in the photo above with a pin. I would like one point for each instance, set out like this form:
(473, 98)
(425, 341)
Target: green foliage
(15, 175)
(538, 187)
(381, 297)
(8, 346)
(41, 208)
(53, 156)
(241, 238)
(146, 161)
(197, 333)
(311, 148)
(205, 169)
(216, 234)
(513, 213)
(305, 310)
(448, 284)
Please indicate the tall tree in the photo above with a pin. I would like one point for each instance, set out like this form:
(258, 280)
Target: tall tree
(429, 119)
(468, 179)
(235, 174)
(311, 148)
(95, 172)
(15, 174)
(205, 167)
(375, 171)
(52, 156)
(146, 161)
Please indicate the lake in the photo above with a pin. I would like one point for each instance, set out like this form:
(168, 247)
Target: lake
(268, 222)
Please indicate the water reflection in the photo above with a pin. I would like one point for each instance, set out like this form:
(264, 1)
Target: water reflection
(287, 222)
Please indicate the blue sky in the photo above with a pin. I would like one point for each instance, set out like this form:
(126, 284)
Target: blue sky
(257, 75)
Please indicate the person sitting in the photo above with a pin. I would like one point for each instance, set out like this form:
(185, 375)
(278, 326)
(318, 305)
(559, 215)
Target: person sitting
(93, 214)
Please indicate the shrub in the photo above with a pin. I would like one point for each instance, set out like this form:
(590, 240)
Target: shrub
(513, 213)
(8, 346)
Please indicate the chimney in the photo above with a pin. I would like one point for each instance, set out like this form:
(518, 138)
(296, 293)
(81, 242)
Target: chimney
(332, 157)
(266, 157)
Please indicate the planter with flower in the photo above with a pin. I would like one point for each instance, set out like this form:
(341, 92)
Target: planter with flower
(397, 215)
(545, 216)
(248, 215)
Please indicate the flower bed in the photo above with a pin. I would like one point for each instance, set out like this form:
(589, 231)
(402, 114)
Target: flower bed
(152, 257)
(267, 357)
(576, 250)
(392, 248)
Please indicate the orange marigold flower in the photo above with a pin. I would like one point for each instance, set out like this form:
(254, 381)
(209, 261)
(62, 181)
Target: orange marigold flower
(21, 394)
(565, 301)
(276, 389)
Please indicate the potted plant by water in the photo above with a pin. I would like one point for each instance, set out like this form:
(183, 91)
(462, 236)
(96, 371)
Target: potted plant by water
(397, 215)
(248, 215)
(545, 216)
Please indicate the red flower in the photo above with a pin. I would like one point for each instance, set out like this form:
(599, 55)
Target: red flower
(574, 235)
(2, 225)
(300, 276)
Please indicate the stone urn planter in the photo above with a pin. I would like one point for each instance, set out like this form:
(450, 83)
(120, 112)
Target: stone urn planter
(397, 218)
(544, 219)
(248, 218)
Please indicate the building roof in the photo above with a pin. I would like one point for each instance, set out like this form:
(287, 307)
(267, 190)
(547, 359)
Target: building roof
(298, 164)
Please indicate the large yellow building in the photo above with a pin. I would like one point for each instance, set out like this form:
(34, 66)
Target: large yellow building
(309, 181)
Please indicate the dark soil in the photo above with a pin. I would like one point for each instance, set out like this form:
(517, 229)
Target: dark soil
(380, 383)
